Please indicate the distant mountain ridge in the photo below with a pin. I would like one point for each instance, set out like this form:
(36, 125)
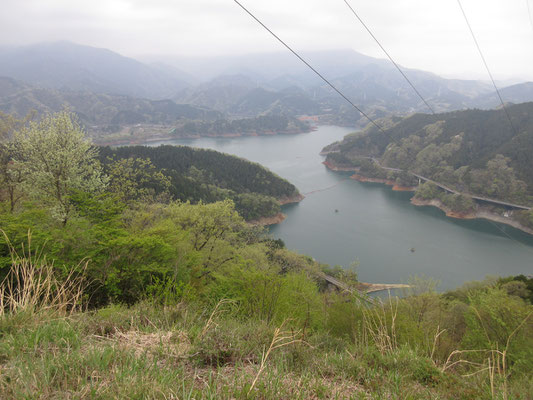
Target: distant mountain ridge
(65, 65)
(246, 86)
(518, 93)
(97, 108)
(373, 84)
(119, 119)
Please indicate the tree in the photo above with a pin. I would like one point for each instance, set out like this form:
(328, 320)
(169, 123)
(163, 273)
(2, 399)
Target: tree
(8, 123)
(11, 175)
(57, 159)
(137, 179)
(499, 180)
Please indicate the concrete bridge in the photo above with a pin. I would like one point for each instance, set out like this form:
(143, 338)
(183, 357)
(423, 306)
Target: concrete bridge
(450, 190)
(363, 287)
(479, 198)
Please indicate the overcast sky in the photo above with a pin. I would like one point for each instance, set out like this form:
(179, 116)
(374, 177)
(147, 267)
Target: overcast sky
(424, 34)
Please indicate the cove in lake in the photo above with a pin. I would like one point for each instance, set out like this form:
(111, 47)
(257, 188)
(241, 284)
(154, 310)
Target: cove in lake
(374, 225)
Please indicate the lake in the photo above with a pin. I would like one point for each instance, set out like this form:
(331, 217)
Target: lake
(374, 226)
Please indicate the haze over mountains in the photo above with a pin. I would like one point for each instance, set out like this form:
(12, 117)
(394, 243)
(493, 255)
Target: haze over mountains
(96, 108)
(105, 87)
(65, 65)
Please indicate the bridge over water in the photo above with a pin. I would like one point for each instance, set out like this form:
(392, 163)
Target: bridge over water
(363, 287)
(453, 191)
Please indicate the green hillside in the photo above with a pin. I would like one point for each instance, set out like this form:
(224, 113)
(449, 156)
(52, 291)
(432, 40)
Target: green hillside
(261, 125)
(98, 111)
(208, 176)
(473, 151)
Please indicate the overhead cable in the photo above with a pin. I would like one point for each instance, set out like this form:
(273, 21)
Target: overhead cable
(529, 14)
(389, 56)
(309, 66)
(486, 66)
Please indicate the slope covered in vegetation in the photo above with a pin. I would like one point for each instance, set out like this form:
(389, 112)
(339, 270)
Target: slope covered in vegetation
(205, 175)
(261, 125)
(176, 173)
(474, 152)
(187, 301)
(105, 111)
(109, 289)
(111, 118)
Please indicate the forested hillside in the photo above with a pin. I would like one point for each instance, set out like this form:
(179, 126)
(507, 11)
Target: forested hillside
(261, 125)
(110, 118)
(474, 151)
(98, 111)
(208, 176)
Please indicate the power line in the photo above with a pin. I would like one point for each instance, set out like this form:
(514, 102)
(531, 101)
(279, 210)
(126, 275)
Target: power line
(388, 55)
(509, 236)
(309, 66)
(486, 66)
(529, 14)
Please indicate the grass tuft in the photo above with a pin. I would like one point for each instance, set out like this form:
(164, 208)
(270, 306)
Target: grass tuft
(32, 284)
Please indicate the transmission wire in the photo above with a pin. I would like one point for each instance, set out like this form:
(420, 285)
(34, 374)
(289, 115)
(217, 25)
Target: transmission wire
(309, 66)
(389, 56)
(486, 66)
(529, 14)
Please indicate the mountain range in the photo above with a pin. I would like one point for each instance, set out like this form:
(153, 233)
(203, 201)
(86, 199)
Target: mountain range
(97, 109)
(65, 65)
(103, 85)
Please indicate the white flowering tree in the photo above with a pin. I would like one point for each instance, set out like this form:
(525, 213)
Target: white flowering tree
(57, 160)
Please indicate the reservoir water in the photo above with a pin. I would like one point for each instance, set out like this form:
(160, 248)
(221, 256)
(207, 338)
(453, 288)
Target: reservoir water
(375, 226)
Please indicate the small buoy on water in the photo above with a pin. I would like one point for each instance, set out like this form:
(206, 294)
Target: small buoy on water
(412, 249)
(336, 210)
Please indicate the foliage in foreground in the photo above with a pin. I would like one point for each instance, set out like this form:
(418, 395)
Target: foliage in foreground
(190, 350)
(203, 294)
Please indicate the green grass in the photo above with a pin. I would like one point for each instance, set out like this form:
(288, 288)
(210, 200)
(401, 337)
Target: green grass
(149, 352)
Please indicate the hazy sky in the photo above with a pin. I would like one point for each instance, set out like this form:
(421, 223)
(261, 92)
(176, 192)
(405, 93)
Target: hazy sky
(424, 34)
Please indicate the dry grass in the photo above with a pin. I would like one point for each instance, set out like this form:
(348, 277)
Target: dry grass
(172, 344)
(280, 338)
(32, 284)
(495, 364)
(214, 314)
(380, 325)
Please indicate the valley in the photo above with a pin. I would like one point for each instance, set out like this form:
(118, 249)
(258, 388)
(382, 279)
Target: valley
(374, 225)
(266, 200)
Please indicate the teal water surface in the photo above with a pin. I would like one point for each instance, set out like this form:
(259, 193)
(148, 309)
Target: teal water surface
(375, 226)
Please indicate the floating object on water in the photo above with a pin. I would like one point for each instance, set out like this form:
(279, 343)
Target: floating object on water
(412, 249)
(336, 210)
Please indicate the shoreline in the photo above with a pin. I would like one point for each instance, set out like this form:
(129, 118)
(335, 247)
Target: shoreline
(438, 204)
(266, 221)
(480, 213)
(279, 217)
(388, 182)
(139, 141)
(337, 168)
(289, 200)
(362, 178)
